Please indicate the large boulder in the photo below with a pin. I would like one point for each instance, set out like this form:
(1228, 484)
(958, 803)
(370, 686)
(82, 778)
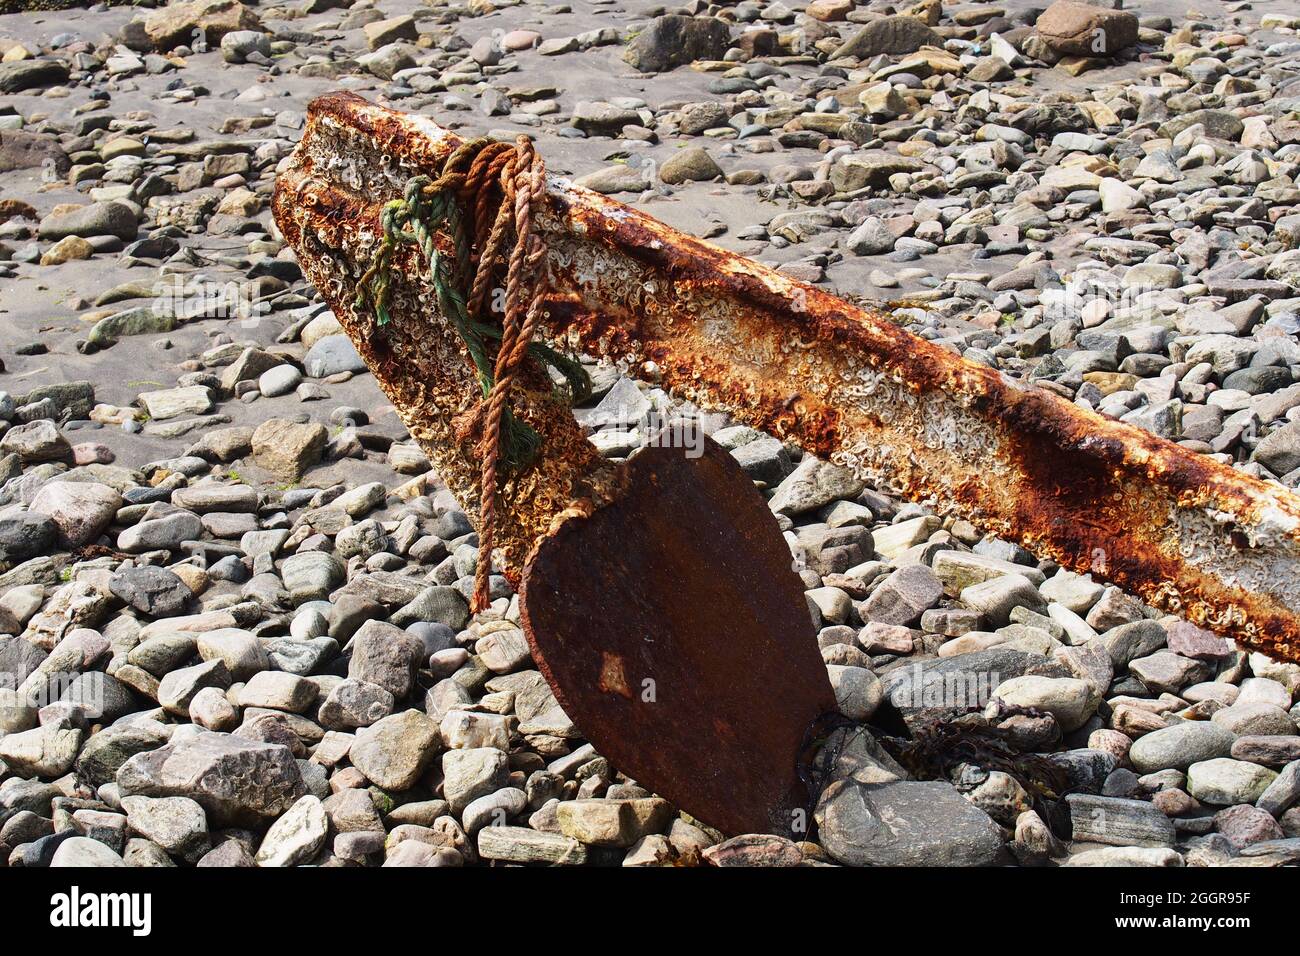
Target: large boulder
(81, 852)
(177, 824)
(31, 74)
(384, 655)
(1069, 700)
(332, 355)
(1180, 746)
(81, 510)
(1225, 782)
(811, 485)
(1280, 450)
(297, 836)
(151, 590)
(871, 168)
(238, 782)
(96, 219)
(20, 149)
(178, 23)
(395, 751)
(72, 399)
(19, 658)
(47, 752)
(1072, 28)
(104, 753)
(286, 448)
(692, 164)
(905, 823)
(674, 40)
(964, 681)
(36, 442)
(890, 36)
(26, 535)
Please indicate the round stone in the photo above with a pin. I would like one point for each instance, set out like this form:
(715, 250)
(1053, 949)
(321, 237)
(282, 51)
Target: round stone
(1180, 746)
(1225, 782)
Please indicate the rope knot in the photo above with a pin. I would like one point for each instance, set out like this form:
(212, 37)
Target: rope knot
(497, 189)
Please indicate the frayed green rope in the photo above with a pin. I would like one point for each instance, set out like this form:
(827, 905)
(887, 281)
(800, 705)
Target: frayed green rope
(415, 218)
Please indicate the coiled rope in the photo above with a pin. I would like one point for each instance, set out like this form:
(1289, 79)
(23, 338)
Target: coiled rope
(500, 186)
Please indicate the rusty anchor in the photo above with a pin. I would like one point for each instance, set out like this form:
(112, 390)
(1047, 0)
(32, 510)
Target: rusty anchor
(679, 540)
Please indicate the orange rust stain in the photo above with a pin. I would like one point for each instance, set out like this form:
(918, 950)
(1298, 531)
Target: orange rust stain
(612, 678)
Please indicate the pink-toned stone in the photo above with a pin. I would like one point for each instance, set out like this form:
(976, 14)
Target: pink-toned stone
(1270, 750)
(1290, 822)
(92, 453)
(1112, 742)
(755, 849)
(520, 39)
(1244, 825)
(1080, 29)
(80, 509)
(1135, 722)
(1189, 640)
(878, 638)
(1174, 802)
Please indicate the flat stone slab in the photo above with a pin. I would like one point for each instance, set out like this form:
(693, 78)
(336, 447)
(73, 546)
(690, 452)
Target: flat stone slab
(905, 823)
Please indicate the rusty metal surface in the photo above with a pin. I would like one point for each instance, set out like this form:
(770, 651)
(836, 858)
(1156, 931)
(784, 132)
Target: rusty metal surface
(686, 651)
(327, 204)
(1189, 535)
